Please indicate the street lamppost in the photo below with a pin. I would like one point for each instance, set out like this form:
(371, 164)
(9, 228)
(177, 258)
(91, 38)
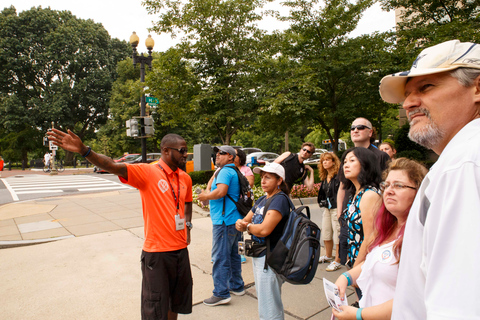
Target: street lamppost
(149, 43)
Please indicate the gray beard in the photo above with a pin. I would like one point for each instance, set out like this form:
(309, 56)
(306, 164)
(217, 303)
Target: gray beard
(429, 136)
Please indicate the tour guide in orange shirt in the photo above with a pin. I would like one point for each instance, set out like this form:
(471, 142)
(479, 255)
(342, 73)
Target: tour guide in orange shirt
(167, 213)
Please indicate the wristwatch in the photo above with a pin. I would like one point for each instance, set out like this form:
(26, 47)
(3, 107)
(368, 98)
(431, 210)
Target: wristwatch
(189, 225)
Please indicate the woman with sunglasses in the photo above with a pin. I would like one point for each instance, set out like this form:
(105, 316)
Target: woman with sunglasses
(377, 275)
(327, 199)
(262, 225)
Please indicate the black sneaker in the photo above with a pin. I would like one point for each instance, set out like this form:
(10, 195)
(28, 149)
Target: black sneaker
(355, 304)
(215, 301)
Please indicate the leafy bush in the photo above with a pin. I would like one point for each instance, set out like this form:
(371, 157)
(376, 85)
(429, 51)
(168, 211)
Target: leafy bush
(411, 154)
(257, 193)
(201, 177)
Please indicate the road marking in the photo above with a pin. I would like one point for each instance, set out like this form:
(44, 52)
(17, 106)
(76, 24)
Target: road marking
(50, 185)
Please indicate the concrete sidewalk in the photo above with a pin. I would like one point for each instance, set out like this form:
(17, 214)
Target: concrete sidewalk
(93, 272)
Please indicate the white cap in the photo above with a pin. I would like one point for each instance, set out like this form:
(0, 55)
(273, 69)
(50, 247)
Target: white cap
(272, 168)
(443, 57)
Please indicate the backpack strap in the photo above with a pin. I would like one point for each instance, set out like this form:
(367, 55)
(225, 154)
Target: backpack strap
(227, 195)
(267, 239)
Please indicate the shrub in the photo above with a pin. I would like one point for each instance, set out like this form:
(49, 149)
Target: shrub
(301, 191)
(201, 177)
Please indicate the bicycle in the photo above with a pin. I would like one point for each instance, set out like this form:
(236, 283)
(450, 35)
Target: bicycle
(58, 165)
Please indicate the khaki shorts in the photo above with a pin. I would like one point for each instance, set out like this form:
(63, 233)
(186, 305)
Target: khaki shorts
(330, 225)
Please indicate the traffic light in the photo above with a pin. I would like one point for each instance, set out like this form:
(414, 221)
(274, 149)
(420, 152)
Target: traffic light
(147, 126)
(140, 127)
(132, 128)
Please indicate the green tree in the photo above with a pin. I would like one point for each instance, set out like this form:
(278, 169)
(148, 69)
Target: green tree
(222, 41)
(55, 67)
(334, 77)
(425, 23)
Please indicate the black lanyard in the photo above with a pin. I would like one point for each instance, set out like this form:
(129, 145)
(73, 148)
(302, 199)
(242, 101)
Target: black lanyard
(177, 201)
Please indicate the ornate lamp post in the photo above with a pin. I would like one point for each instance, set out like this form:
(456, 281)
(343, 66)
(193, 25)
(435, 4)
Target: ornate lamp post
(149, 43)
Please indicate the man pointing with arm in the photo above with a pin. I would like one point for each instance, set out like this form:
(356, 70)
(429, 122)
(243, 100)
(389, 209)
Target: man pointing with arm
(166, 193)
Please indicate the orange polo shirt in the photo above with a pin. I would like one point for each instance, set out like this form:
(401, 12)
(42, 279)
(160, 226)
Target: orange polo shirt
(158, 203)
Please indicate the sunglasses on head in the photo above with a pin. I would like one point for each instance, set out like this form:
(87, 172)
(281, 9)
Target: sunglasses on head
(182, 150)
(359, 127)
(306, 150)
(222, 153)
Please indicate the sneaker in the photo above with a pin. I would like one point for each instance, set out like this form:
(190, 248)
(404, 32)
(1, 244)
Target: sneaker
(238, 293)
(243, 259)
(333, 266)
(325, 259)
(215, 301)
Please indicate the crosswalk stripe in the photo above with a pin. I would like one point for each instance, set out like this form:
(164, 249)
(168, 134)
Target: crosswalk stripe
(49, 185)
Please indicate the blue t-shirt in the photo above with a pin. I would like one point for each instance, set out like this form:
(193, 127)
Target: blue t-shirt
(230, 178)
(279, 203)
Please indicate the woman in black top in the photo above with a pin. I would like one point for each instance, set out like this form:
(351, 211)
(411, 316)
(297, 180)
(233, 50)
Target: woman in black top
(327, 199)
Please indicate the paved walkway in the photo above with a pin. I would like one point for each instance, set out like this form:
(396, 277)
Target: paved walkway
(93, 272)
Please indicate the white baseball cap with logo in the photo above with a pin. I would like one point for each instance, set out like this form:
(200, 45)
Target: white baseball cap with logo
(442, 57)
(272, 168)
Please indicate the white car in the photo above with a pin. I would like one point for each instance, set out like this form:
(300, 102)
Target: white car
(261, 158)
(314, 159)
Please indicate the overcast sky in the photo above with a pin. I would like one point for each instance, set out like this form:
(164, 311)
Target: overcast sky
(121, 17)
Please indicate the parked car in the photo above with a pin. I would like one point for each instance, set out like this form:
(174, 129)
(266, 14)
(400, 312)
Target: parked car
(125, 157)
(150, 158)
(314, 159)
(261, 158)
(251, 150)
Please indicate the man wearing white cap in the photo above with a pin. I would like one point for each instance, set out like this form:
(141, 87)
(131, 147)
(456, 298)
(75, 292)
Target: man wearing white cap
(437, 277)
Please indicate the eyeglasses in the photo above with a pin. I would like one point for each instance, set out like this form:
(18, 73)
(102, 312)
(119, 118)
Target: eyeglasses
(360, 127)
(395, 186)
(182, 150)
(222, 153)
(307, 151)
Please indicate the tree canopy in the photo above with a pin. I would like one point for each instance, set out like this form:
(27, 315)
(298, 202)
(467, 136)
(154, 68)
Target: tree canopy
(55, 68)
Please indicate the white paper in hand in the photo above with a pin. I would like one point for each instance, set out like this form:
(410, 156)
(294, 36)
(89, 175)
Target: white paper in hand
(332, 294)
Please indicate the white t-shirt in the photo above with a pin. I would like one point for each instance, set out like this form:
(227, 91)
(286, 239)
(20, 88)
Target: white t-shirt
(46, 158)
(379, 276)
(439, 269)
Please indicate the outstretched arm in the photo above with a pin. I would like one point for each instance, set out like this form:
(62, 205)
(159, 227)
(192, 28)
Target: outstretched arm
(71, 142)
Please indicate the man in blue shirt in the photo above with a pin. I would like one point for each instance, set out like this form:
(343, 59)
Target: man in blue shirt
(227, 270)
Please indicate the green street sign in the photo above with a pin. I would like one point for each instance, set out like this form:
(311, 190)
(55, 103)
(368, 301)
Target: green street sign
(152, 101)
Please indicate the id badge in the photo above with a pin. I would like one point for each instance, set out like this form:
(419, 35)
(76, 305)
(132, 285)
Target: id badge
(179, 223)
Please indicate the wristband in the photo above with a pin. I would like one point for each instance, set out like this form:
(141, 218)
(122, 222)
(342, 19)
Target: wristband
(248, 225)
(359, 314)
(349, 278)
(87, 153)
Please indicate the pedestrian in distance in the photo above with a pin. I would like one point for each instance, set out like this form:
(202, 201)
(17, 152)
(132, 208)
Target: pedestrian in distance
(388, 148)
(227, 269)
(295, 169)
(262, 225)
(377, 275)
(441, 95)
(166, 193)
(327, 199)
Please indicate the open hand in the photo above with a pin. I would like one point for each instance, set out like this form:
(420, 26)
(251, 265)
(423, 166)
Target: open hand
(67, 141)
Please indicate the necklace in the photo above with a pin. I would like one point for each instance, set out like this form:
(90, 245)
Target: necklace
(277, 191)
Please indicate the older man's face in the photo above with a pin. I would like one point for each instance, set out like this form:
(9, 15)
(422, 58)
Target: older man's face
(438, 106)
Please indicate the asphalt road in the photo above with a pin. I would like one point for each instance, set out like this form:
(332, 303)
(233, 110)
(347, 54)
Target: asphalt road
(21, 187)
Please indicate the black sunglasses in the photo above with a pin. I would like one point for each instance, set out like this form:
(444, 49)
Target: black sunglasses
(359, 127)
(182, 150)
(306, 150)
(222, 153)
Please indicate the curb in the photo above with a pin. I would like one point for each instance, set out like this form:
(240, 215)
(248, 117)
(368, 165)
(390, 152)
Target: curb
(23, 243)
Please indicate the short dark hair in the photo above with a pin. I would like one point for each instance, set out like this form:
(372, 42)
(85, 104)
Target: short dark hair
(309, 144)
(370, 173)
(241, 156)
(170, 139)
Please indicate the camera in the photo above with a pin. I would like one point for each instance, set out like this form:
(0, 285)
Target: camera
(323, 203)
(241, 248)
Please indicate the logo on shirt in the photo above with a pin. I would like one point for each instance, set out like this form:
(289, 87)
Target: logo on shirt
(163, 185)
(386, 256)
